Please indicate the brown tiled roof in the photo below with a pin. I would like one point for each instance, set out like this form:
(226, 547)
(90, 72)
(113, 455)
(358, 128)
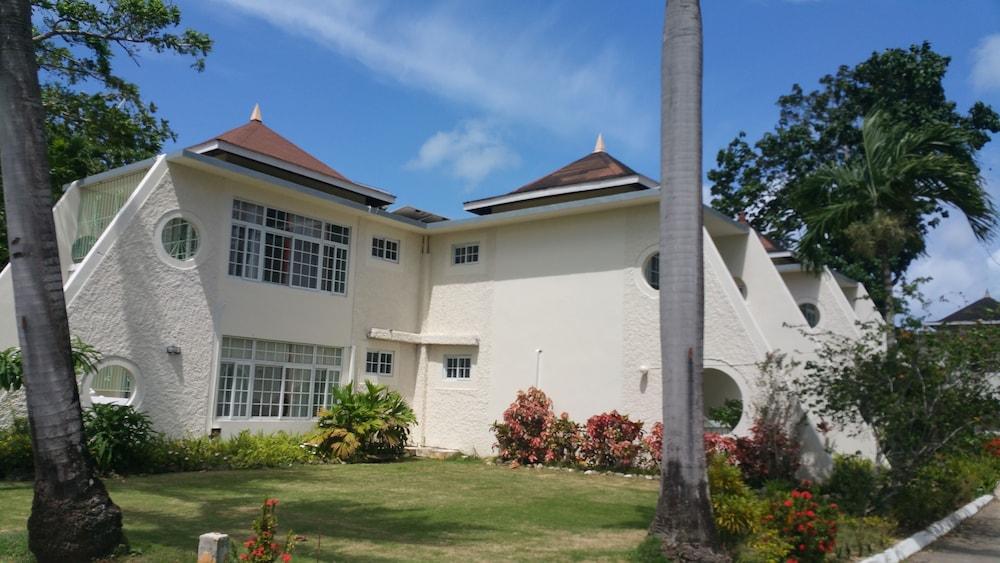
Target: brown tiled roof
(768, 244)
(594, 167)
(986, 309)
(259, 138)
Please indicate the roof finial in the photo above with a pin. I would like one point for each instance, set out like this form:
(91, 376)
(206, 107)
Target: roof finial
(988, 293)
(255, 116)
(599, 145)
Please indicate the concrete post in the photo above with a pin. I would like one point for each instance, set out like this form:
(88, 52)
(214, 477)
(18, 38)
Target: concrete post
(213, 547)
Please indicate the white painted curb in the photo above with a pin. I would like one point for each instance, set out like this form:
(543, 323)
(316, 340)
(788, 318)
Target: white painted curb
(922, 539)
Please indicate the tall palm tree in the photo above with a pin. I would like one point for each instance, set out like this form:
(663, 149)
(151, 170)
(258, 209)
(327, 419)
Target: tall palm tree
(683, 518)
(881, 200)
(72, 516)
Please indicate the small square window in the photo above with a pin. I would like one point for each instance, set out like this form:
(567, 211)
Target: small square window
(465, 254)
(378, 362)
(457, 367)
(385, 249)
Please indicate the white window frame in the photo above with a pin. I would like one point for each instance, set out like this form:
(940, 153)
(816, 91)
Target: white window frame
(238, 379)
(384, 248)
(325, 270)
(465, 358)
(460, 255)
(384, 360)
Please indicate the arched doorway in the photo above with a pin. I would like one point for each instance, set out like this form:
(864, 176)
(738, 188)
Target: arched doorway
(723, 401)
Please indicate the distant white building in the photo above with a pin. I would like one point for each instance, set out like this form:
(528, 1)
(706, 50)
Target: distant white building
(231, 284)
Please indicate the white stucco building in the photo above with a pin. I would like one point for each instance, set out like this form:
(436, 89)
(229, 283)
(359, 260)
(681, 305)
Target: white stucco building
(230, 284)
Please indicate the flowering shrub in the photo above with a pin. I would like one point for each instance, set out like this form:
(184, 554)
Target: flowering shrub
(769, 453)
(652, 446)
(523, 436)
(992, 447)
(717, 444)
(809, 524)
(564, 440)
(261, 547)
(612, 441)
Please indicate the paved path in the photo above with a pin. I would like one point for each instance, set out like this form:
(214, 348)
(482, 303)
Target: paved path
(973, 541)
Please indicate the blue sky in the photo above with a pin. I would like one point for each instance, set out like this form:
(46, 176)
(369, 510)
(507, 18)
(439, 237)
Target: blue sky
(445, 101)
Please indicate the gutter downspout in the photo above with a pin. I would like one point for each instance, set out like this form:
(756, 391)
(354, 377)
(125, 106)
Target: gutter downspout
(423, 377)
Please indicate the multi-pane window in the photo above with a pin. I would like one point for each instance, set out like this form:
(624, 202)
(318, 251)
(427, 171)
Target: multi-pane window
(465, 254)
(279, 247)
(268, 379)
(180, 239)
(458, 367)
(385, 248)
(378, 362)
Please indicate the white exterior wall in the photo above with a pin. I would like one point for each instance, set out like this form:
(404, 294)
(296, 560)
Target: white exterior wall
(559, 302)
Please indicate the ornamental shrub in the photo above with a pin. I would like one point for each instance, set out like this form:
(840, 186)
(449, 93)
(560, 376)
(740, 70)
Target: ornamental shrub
(992, 447)
(564, 439)
(853, 484)
(242, 451)
(808, 523)
(523, 436)
(717, 444)
(119, 437)
(652, 447)
(612, 441)
(262, 546)
(16, 461)
(370, 424)
(942, 486)
(738, 512)
(768, 453)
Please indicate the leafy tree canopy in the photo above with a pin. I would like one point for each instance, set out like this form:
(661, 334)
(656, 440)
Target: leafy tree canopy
(96, 120)
(767, 179)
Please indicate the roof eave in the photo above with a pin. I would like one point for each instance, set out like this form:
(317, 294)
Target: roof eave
(514, 197)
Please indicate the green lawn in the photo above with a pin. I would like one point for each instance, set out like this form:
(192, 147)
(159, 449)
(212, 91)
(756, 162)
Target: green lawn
(412, 510)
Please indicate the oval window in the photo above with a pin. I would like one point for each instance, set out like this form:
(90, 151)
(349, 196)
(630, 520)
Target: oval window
(112, 384)
(651, 271)
(811, 313)
(180, 239)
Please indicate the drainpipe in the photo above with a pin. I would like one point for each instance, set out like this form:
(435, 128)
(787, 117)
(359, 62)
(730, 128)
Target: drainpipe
(538, 368)
(422, 374)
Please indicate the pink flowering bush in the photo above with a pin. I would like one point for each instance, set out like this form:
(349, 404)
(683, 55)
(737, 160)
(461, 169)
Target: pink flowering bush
(717, 444)
(769, 453)
(652, 446)
(564, 439)
(524, 434)
(262, 546)
(612, 441)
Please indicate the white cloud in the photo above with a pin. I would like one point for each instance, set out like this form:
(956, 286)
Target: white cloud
(532, 72)
(986, 63)
(469, 152)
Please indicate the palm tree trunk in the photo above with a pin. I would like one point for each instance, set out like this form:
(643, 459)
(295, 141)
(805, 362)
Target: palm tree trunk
(683, 518)
(72, 516)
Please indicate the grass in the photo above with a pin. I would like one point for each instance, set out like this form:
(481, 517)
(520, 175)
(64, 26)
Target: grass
(412, 510)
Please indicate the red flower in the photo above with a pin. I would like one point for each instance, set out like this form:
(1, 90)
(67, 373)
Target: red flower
(788, 503)
(285, 557)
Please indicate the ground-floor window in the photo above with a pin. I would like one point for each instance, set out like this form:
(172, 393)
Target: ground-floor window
(270, 379)
(457, 367)
(378, 362)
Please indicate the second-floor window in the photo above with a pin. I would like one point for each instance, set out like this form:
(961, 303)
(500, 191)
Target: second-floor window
(275, 246)
(465, 253)
(385, 249)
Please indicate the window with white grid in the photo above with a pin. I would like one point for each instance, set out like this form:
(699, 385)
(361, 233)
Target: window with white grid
(270, 379)
(465, 254)
(378, 362)
(385, 249)
(275, 246)
(458, 367)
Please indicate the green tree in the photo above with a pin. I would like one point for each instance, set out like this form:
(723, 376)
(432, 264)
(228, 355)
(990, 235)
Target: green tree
(822, 128)
(94, 119)
(683, 520)
(875, 205)
(72, 516)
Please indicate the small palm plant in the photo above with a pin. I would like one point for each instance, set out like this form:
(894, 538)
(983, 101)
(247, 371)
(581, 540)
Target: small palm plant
(370, 424)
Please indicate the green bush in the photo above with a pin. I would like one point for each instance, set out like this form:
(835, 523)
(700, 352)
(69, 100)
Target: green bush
(765, 546)
(242, 451)
(371, 424)
(863, 536)
(16, 460)
(119, 437)
(738, 512)
(853, 484)
(942, 486)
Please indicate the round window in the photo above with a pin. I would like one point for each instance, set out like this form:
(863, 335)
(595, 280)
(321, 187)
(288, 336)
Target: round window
(811, 313)
(180, 239)
(112, 384)
(651, 270)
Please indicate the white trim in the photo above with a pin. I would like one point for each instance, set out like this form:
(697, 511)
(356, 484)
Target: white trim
(367, 191)
(560, 190)
(391, 335)
(379, 362)
(135, 398)
(444, 367)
